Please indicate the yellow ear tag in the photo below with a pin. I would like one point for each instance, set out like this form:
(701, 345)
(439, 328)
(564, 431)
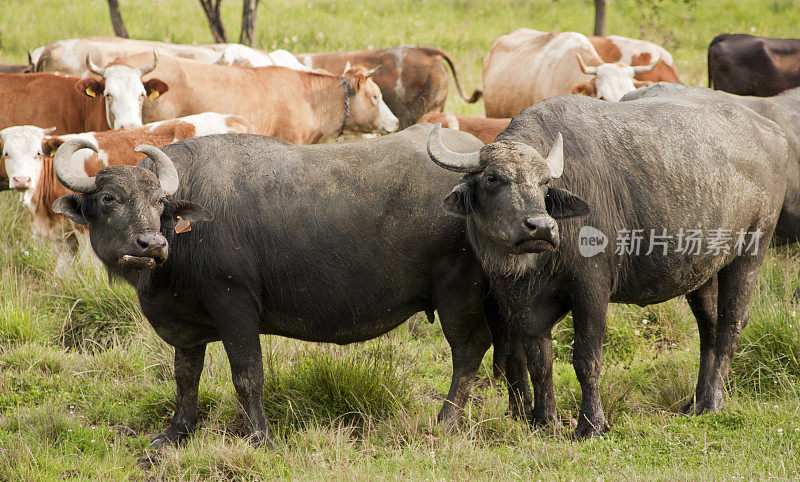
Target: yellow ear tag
(90, 92)
(182, 226)
(153, 95)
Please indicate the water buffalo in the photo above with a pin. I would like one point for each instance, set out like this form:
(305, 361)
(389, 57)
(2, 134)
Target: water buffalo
(747, 65)
(332, 243)
(648, 175)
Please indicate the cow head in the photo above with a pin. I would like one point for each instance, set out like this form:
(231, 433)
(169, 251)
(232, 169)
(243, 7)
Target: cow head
(611, 81)
(368, 111)
(23, 155)
(506, 195)
(123, 90)
(128, 209)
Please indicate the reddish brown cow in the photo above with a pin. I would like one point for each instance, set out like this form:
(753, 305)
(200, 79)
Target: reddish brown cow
(413, 80)
(49, 100)
(633, 52)
(484, 128)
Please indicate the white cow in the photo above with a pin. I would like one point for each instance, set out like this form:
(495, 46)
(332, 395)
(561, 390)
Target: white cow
(237, 54)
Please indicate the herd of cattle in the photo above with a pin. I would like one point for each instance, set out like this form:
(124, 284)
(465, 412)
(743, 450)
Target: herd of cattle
(232, 229)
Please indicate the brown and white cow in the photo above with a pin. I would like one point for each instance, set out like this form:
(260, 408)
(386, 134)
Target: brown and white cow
(484, 128)
(635, 52)
(299, 107)
(68, 56)
(28, 154)
(413, 80)
(527, 66)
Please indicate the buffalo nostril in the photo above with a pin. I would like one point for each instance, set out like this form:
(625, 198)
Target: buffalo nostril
(540, 223)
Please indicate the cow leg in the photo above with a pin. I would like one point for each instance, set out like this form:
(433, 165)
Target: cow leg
(703, 303)
(589, 317)
(188, 368)
(737, 281)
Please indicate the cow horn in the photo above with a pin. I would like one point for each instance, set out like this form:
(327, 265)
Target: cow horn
(146, 70)
(584, 68)
(555, 158)
(640, 69)
(92, 67)
(370, 73)
(165, 169)
(452, 161)
(61, 167)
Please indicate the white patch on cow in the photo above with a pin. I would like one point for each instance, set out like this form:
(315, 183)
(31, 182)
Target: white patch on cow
(22, 155)
(124, 95)
(208, 123)
(565, 43)
(629, 48)
(308, 61)
(236, 54)
(613, 81)
(284, 58)
(400, 56)
(78, 161)
(452, 121)
(70, 58)
(389, 121)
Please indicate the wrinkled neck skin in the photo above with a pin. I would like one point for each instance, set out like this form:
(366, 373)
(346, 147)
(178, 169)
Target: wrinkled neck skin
(495, 258)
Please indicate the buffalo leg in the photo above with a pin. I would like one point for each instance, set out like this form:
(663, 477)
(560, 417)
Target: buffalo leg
(188, 368)
(539, 354)
(703, 303)
(589, 317)
(737, 282)
(469, 338)
(509, 363)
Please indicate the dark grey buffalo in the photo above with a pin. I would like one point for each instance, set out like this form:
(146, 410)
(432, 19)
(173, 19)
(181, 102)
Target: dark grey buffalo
(332, 243)
(662, 167)
(654, 90)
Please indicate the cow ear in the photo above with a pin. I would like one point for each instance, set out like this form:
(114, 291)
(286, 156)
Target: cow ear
(641, 83)
(585, 88)
(562, 204)
(91, 87)
(155, 88)
(71, 207)
(50, 146)
(360, 80)
(459, 201)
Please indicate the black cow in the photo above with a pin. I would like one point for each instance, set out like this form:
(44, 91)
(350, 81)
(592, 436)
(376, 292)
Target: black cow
(664, 164)
(331, 243)
(746, 65)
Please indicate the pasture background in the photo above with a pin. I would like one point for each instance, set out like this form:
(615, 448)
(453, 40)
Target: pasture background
(84, 380)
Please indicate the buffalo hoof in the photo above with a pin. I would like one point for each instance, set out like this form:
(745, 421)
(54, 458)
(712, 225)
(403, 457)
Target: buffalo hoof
(586, 429)
(688, 408)
(170, 436)
(449, 417)
(539, 420)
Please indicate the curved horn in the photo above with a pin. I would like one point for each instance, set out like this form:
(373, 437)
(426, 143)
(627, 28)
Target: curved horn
(80, 183)
(146, 70)
(452, 161)
(555, 159)
(584, 68)
(640, 69)
(92, 67)
(165, 169)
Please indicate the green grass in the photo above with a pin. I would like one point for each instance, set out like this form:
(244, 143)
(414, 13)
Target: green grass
(84, 380)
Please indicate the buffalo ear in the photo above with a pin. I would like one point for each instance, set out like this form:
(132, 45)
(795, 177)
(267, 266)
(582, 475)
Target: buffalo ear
(585, 88)
(71, 207)
(459, 201)
(91, 87)
(187, 210)
(155, 88)
(50, 146)
(562, 204)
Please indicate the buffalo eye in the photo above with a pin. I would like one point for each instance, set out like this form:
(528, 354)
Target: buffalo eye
(491, 179)
(107, 198)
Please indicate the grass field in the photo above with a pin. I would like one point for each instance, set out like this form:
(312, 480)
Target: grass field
(84, 379)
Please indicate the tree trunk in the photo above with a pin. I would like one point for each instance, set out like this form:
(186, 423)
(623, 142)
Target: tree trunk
(600, 17)
(116, 19)
(211, 9)
(248, 35)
